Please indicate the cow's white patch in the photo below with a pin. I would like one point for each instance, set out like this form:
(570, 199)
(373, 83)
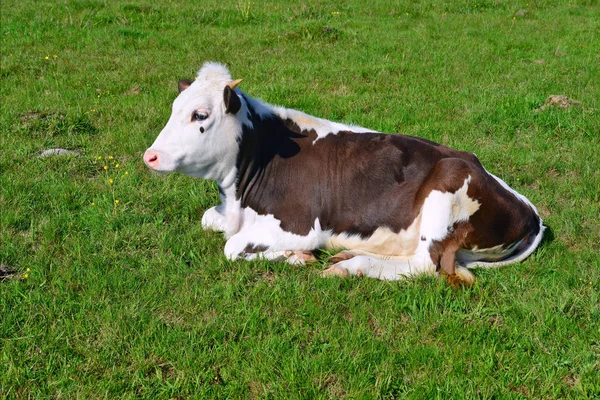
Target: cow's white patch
(265, 230)
(383, 243)
(321, 126)
(441, 210)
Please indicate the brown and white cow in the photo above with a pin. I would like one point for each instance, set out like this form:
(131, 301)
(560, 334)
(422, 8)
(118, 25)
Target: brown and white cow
(291, 183)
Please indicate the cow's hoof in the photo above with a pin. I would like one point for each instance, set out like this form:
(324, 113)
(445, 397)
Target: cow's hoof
(461, 277)
(465, 276)
(341, 256)
(335, 271)
(300, 257)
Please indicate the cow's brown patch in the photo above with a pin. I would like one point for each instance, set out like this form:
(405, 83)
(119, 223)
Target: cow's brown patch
(252, 248)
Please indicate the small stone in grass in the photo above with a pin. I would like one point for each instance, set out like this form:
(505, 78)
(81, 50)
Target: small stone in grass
(58, 152)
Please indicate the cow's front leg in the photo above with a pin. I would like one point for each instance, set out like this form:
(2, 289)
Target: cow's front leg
(214, 218)
(249, 244)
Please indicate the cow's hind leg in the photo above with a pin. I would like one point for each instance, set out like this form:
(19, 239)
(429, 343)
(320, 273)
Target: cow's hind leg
(388, 270)
(342, 256)
(447, 207)
(443, 254)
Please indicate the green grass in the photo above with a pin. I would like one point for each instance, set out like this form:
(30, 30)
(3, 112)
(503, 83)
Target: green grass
(134, 300)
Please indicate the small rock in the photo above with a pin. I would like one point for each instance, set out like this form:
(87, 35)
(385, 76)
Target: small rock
(521, 13)
(58, 152)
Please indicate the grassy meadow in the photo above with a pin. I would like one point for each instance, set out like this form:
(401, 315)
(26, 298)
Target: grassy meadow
(111, 288)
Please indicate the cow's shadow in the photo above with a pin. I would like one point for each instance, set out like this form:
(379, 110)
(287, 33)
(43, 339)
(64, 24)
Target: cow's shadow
(548, 236)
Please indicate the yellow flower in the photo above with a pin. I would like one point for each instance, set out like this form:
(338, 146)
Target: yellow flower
(110, 157)
(26, 276)
(93, 204)
(28, 269)
(106, 167)
(99, 157)
(45, 58)
(126, 173)
(117, 166)
(110, 181)
(116, 201)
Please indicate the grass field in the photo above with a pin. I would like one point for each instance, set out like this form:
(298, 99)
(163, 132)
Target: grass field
(117, 292)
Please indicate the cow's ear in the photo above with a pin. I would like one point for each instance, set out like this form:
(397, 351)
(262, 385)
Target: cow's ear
(232, 101)
(183, 84)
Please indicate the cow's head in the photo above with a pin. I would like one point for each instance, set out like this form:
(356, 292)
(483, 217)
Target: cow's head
(200, 138)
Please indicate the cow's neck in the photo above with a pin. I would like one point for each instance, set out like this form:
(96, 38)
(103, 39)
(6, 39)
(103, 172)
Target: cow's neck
(262, 144)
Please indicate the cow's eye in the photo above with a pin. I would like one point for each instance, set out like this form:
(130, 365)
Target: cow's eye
(199, 116)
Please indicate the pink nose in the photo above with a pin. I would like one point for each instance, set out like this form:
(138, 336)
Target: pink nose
(151, 159)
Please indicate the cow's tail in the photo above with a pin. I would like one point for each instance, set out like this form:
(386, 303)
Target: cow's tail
(523, 250)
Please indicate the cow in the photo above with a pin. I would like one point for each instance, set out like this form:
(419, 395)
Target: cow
(396, 206)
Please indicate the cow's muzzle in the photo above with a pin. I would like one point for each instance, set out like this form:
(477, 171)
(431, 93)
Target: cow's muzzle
(151, 159)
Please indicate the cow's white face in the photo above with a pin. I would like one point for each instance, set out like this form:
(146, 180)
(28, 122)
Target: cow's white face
(200, 138)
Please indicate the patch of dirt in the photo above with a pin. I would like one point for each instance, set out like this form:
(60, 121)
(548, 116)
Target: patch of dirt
(217, 379)
(156, 366)
(571, 380)
(496, 320)
(521, 13)
(134, 90)
(6, 273)
(171, 318)
(560, 101)
(333, 387)
(522, 389)
(268, 276)
(33, 115)
(375, 327)
(552, 173)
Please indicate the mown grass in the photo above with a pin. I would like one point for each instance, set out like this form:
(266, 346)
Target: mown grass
(132, 299)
